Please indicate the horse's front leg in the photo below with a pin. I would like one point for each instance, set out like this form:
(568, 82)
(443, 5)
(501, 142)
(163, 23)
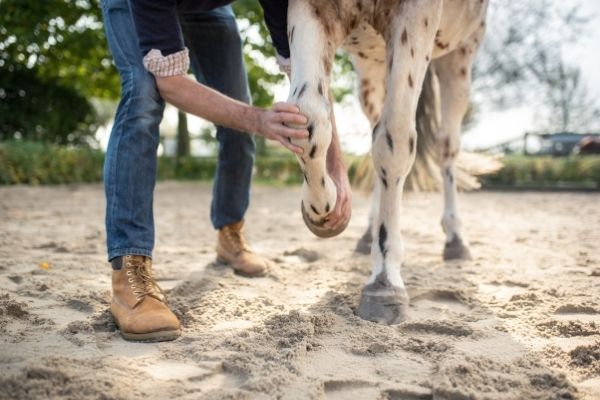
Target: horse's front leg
(312, 45)
(410, 38)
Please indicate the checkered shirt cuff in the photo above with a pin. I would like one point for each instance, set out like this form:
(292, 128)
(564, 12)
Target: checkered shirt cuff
(171, 65)
(285, 65)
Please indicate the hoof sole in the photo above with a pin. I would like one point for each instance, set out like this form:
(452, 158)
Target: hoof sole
(319, 229)
(456, 250)
(388, 306)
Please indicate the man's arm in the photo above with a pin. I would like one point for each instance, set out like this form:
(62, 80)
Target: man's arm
(166, 57)
(209, 104)
(276, 20)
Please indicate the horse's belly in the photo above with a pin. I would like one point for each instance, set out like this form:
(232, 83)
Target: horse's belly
(365, 41)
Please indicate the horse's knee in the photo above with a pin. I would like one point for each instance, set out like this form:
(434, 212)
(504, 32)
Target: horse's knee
(319, 124)
(393, 152)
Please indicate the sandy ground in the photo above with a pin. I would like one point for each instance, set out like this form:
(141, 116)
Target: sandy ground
(521, 321)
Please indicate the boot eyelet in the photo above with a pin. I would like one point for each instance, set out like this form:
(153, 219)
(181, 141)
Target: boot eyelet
(130, 280)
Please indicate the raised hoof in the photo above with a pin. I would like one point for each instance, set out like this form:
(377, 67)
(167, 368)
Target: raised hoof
(364, 243)
(456, 250)
(318, 228)
(387, 306)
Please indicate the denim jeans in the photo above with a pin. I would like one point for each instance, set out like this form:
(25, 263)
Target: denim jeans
(130, 165)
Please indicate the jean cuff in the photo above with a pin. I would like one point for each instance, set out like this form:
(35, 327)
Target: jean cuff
(131, 251)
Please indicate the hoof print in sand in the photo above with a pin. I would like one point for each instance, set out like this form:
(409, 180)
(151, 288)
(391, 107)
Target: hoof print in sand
(304, 254)
(443, 327)
(484, 378)
(434, 303)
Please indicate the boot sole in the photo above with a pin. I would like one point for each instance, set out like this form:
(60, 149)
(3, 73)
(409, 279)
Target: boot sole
(221, 260)
(160, 336)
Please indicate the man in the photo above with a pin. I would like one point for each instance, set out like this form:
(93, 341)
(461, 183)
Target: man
(148, 40)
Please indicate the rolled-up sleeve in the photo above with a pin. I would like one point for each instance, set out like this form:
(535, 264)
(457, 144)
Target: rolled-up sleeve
(276, 20)
(160, 38)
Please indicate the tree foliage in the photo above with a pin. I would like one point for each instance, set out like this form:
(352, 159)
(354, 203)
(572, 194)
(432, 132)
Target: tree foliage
(53, 60)
(523, 61)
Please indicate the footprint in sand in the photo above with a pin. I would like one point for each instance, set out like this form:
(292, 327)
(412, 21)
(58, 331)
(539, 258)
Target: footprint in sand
(205, 374)
(408, 393)
(350, 389)
(502, 291)
(437, 304)
(571, 320)
(302, 255)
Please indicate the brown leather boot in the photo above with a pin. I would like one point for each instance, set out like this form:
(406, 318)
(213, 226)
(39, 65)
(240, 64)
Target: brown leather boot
(233, 250)
(138, 303)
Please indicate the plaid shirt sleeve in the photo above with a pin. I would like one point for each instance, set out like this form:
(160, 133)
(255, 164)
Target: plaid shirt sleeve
(160, 38)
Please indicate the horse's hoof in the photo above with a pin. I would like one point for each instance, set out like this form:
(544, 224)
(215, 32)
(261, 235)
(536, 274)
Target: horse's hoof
(387, 306)
(456, 250)
(364, 243)
(318, 228)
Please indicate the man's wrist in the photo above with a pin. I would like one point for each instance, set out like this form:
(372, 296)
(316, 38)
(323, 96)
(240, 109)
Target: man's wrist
(253, 117)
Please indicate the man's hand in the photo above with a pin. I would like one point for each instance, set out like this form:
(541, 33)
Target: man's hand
(339, 175)
(343, 205)
(272, 125)
(200, 100)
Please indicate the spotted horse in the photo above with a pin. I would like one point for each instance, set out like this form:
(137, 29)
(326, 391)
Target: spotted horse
(398, 47)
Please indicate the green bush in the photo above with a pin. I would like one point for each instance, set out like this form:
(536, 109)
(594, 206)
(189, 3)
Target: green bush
(23, 162)
(38, 163)
(547, 172)
(41, 110)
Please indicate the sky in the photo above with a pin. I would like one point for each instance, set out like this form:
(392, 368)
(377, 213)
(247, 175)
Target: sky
(492, 127)
(499, 126)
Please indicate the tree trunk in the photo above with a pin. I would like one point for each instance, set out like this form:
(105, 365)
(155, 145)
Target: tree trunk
(183, 136)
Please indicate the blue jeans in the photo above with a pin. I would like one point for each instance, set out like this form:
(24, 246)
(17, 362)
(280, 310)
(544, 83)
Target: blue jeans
(130, 165)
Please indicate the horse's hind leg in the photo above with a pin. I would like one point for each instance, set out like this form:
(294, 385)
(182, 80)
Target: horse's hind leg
(371, 78)
(410, 39)
(313, 41)
(454, 76)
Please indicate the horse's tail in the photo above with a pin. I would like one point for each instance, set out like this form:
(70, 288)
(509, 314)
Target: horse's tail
(425, 173)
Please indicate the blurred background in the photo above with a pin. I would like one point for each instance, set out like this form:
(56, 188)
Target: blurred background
(535, 98)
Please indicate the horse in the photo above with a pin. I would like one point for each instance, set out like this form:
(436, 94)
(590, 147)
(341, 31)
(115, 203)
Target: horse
(400, 49)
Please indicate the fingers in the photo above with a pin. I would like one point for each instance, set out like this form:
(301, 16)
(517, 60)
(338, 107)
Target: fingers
(340, 213)
(291, 118)
(285, 107)
(288, 145)
(337, 217)
(291, 132)
(343, 206)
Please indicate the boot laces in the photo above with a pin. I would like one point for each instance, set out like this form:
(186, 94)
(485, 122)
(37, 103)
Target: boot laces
(141, 281)
(238, 241)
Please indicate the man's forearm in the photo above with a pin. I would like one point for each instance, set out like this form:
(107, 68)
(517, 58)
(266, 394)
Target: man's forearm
(335, 158)
(204, 102)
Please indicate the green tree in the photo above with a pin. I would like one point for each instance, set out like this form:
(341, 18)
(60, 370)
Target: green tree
(53, 59)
